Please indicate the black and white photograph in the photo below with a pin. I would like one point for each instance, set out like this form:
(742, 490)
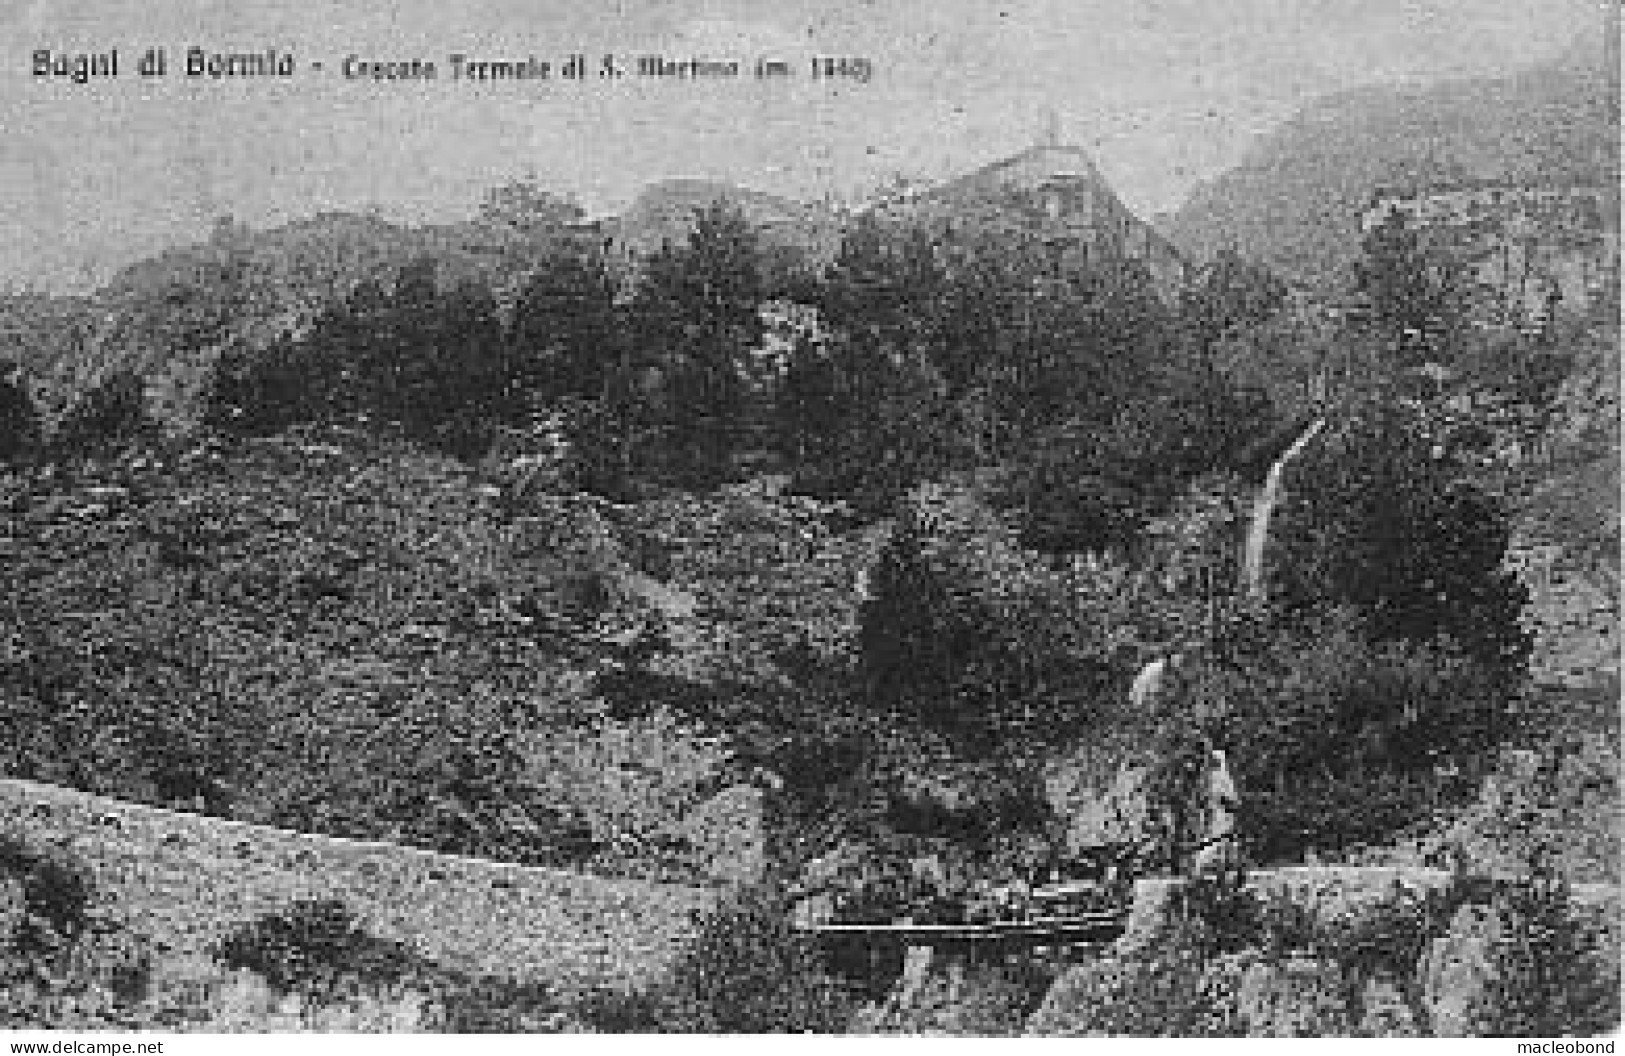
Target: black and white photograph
(910, 519)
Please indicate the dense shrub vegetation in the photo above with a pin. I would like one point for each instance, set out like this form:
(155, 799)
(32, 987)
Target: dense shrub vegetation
(1337, 735)
(111, 414)
(66, 965)
(746, 972)
(62, 963)
(19, 418)
(316, 950)
(313, 945)
(1382, 521)
(1229, 963)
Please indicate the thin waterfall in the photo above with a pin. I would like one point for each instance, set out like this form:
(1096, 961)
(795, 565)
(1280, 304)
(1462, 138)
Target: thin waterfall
(1252, 567)
(1147, 686)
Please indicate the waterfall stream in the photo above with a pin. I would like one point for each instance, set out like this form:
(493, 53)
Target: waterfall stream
(1252, 568)
(1147, 686)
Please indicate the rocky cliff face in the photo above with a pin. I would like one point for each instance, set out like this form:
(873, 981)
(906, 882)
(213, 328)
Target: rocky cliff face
(1530, 248)
(1566, 542)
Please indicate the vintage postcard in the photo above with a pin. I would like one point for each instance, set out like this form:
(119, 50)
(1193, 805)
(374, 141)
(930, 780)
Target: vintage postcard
(939, 517)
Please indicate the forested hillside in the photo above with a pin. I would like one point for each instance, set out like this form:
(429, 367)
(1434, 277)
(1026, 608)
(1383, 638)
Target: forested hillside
(476, 540)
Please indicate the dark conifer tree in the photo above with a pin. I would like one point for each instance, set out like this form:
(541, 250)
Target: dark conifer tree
(260, 392)
(809, 405)
(109, 416)
(467, 392)
(1231, 293)
(1381, 520)
(19, 419)
(698, 305)
(565, 336)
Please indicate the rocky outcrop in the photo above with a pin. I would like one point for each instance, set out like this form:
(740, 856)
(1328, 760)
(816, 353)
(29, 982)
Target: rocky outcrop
(942, 996)
(1167, 992)
(1330, 893)
(1105, 797)
(728, 834)
(1574, 619)
(1153, 917)
(1458, 972)
(1079, 989)
(1566, 802)
(1298, 997)
(1385, 1012)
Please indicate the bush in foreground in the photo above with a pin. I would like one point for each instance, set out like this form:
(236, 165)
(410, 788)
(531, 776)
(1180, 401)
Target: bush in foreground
(321, 970)
(747, 972)
(62, 966)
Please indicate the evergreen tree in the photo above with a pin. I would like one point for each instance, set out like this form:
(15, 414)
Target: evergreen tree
(198, 305)
(366, 301)
(417, 287)
(261, 392)
(889, 292)
(698, 305)
(565, 337)
(332, 370)
(406, 366)
(808, 405)
(1108, 411)
(1231, 293)
(872, 411)
(1080, 487)
(435, 362)
(467, 391)
(987, 323)
(1380, 520)
(110, 415)
(19, 419)
(349, 347)
(967, 632)
(877, 299)
(370, 335)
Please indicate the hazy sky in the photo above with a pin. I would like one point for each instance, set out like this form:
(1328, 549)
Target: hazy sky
(1163, 92)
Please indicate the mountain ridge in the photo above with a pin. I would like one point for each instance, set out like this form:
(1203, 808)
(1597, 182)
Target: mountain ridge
(1294, 200)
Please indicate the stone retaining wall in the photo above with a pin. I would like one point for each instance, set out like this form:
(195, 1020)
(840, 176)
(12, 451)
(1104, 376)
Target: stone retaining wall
(186, 880)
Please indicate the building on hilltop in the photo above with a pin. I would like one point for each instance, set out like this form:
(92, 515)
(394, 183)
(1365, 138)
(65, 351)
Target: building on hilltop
(1058, 191)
